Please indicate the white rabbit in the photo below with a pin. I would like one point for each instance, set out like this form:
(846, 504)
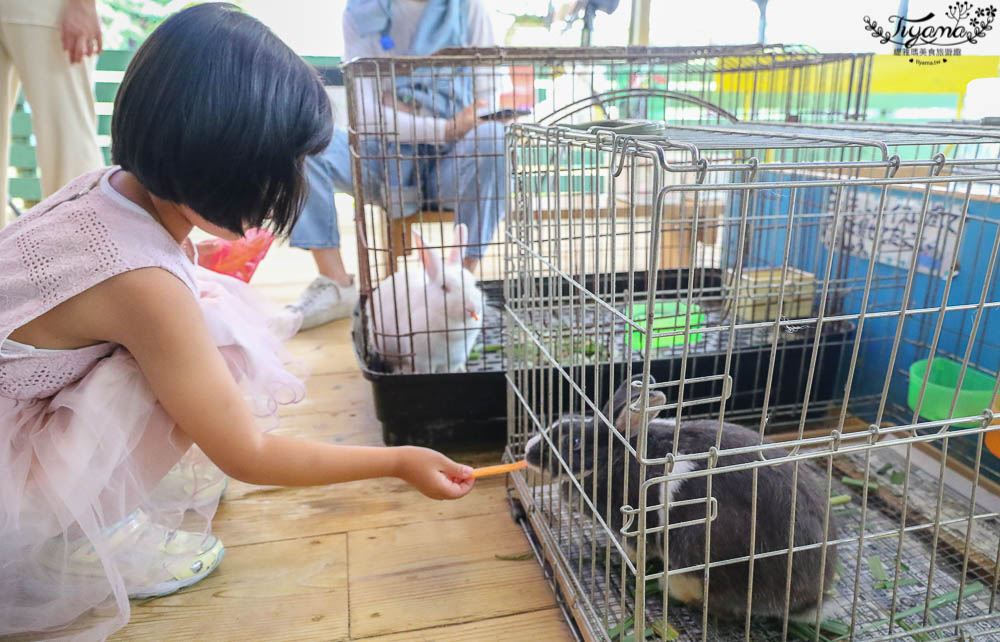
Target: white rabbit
(428, 319)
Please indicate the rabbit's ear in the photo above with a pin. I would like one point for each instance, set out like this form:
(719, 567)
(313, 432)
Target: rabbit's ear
(619, 399)
(624, 394)
(461, 237)
(429, 256)
(629, 413)
(656, 398)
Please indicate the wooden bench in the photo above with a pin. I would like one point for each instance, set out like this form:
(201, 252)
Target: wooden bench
(675, 237)
(676, 227)
(400, 230)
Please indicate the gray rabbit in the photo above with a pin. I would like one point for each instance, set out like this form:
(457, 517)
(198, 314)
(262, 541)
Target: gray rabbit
(576, 437)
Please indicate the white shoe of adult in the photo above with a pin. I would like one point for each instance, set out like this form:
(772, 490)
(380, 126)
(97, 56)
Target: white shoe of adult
(324, 301)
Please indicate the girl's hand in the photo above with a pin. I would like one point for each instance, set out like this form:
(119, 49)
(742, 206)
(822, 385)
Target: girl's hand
(433, 474)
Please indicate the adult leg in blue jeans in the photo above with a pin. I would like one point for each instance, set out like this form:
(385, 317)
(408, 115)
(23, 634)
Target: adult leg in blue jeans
(333, 294)
(469, 181)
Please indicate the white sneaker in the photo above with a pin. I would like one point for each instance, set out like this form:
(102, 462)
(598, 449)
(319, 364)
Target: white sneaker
(154, 560)
(324, 301)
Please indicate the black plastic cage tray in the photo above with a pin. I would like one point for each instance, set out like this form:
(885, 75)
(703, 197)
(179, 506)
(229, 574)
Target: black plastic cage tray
(437, 410)
(467, 408)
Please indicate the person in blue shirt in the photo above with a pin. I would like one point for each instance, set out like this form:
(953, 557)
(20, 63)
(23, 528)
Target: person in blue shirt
(450, 158)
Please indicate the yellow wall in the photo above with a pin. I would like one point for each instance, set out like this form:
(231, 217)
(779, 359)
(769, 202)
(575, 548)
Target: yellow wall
(890, 75)
(897, 75)
(739, 74)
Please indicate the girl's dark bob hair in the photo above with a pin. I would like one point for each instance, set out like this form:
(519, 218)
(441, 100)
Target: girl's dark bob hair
(216, 113)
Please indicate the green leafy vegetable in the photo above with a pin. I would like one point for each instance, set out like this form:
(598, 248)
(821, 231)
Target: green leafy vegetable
(804, 631)
(849, 481)
(918, 637)
(906, 581)
(935, 603)
(877, 569)
(800, 631)
(835, 626)
(665, 631)
(952, 596)
(623, 626)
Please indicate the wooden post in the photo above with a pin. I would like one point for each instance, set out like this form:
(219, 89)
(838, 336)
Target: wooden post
(398, 230)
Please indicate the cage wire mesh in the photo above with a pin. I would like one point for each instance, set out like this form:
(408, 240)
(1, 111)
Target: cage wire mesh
(413, 169)
(831, 288)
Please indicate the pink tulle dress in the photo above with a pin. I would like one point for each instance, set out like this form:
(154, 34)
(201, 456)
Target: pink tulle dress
(83, 441)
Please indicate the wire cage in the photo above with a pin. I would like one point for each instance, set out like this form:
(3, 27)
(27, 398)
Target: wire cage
(415, 170)
(747, 360)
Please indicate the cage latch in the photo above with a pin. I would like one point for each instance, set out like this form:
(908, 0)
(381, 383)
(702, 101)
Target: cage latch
(939, 161)
(630, 513)
(893, 165)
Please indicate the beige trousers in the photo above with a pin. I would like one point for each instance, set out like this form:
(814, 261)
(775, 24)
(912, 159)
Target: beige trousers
(61, 96)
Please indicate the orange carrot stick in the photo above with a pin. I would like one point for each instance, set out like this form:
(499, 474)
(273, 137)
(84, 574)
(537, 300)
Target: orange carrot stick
(993, 438)
(499, 470)
(992, 442)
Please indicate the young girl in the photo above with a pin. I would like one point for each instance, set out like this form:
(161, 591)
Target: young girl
(117, 353)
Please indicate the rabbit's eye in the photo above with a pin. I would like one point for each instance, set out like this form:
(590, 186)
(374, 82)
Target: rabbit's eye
(445, 288)
(576, 443)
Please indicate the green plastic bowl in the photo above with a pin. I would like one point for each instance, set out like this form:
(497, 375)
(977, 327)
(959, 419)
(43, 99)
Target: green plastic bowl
(667, 316)
(973, 398)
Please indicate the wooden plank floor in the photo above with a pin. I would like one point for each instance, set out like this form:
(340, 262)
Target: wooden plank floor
(368, 560)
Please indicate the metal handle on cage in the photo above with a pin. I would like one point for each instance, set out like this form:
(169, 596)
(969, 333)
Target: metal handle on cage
(618, 94)
(630, 513)
(621, 144)
(722, 397)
